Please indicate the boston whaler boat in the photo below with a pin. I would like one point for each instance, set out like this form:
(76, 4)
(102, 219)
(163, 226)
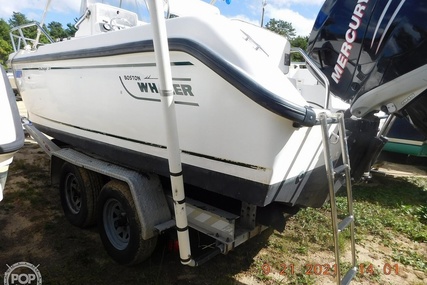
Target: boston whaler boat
(246, 132)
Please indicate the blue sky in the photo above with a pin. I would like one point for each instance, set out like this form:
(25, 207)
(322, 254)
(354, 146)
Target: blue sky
(301, 13)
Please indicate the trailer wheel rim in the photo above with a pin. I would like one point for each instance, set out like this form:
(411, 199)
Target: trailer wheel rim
(116, 224)
(73, 194)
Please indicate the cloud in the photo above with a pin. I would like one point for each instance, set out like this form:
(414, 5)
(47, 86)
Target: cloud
(300, 13)
(66, 6)
(247, 19)
(292, 2)
(8, 7)
(301, 24)
(33, 9)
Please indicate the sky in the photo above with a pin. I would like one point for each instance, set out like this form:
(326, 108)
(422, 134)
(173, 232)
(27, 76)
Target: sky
(301, 13)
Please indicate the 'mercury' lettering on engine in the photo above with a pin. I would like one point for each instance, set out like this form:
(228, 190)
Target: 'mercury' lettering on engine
(350, 37)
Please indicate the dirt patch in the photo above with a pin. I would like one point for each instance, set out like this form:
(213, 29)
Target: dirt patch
(396, 169)
(33, 229)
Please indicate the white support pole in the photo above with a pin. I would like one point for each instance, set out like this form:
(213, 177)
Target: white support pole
(36, 42)
(161, 49)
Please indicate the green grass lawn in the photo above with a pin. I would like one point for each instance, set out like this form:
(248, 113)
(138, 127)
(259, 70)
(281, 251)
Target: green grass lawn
(391, 236)
(392, 212)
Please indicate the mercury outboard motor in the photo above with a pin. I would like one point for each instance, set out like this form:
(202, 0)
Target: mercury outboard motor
(374, 53)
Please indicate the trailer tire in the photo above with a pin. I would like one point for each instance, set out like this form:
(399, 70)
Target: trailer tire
(79, 189)
(119, 225)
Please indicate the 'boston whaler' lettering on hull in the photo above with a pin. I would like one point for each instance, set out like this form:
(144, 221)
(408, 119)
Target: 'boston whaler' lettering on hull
(178, 89)
(132, 77)
(146, 88)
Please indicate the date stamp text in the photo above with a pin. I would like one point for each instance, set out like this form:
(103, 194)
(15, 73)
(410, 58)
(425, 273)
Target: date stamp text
(329, 269)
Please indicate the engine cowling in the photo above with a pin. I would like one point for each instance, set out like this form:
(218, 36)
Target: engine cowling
(374, 53)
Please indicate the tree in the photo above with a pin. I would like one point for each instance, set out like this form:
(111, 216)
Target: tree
(71, 30)
(56, 31)
(5, 44)
(286, 29)
(18, 19)
(300, 42)
(281, 27)
(5, 50)
(4, 29)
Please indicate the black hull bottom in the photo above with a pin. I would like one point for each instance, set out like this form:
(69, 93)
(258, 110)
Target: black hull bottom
(313, 195)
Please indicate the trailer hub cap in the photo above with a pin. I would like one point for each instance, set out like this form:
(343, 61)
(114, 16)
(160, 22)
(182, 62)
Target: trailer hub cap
(116, 224)
(73, 194)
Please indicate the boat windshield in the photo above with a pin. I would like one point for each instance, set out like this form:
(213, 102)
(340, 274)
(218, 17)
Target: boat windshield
(139, 7)
(172, 8)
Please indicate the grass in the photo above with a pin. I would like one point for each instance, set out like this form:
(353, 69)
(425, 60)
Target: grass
(408, 257)
(390, 212)
(386, 209)
(396, 205)
(28, 188)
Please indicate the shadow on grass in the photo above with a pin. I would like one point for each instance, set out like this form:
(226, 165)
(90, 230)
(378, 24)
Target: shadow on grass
(392, 191)
(392, 204)
(37, 232)
(69, 255)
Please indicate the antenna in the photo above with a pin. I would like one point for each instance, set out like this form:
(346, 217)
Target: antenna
(36, 42)
(264, 3)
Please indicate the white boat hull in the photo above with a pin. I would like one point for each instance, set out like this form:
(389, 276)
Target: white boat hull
(100, 94)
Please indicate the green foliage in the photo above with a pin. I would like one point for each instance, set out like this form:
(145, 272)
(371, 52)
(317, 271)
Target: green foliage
(56, 30)
(408, 257)
(300, 42)
(18, 19)
(71, 30)
(399, 206)
(4, 29)
(281, 27)
(389, 209)
(5, 50)
(286, 29)
(5, 45)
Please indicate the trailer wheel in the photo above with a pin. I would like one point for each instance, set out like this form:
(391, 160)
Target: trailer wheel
(119, 226)
(79, 189)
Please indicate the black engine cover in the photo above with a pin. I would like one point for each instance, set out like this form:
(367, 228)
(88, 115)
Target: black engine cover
(362, 44)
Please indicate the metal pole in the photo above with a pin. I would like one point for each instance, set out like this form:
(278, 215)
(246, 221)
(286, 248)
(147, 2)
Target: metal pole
(161, 49)
(387, 125)
(330, 174)
(41, 24)
(346, 161)
(264, 3)
(319, 73)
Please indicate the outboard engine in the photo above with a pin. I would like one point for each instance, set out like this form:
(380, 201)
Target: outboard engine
(374, 53)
